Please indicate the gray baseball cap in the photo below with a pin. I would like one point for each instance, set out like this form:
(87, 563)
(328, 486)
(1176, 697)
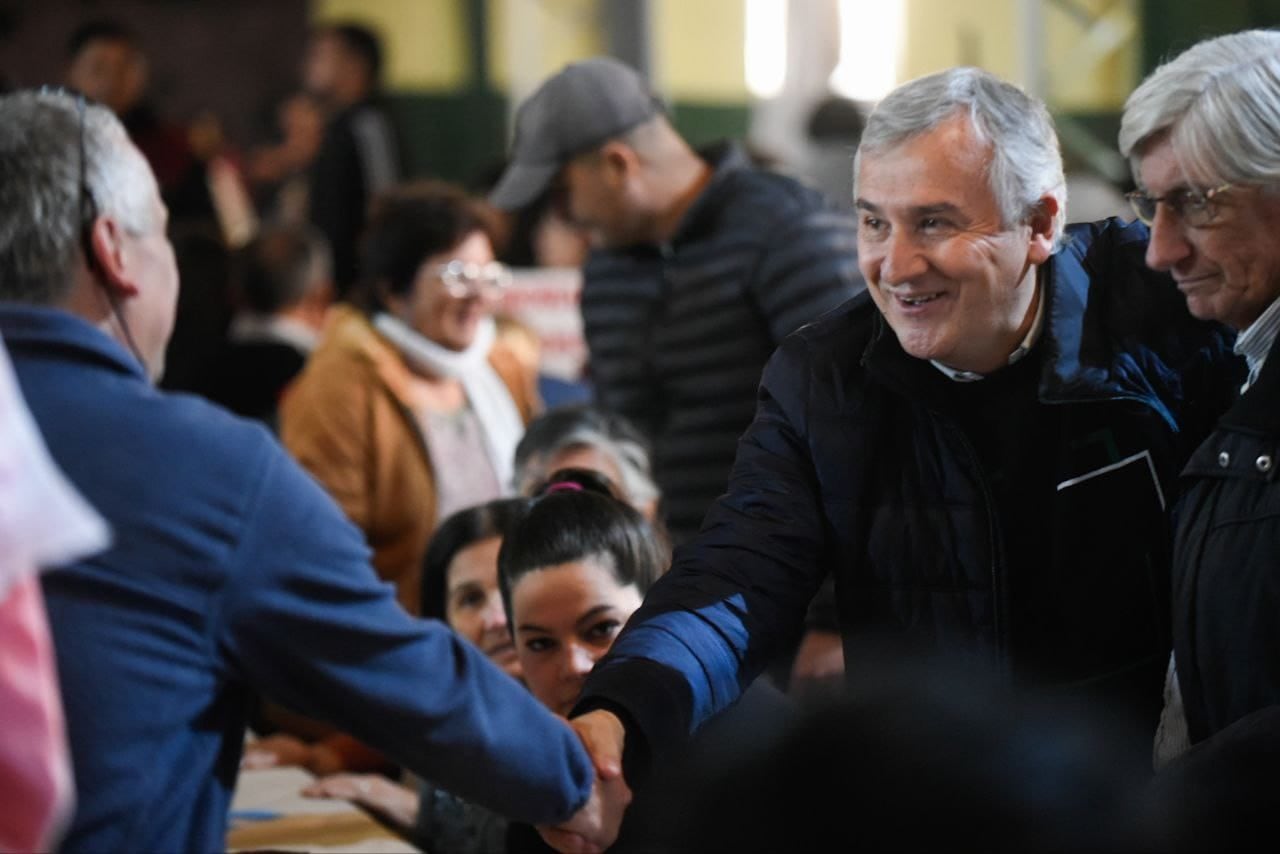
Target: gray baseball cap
(584, 105)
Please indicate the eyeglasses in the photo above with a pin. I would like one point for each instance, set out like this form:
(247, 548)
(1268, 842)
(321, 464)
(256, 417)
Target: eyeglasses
(1194, 207)
(464, 279)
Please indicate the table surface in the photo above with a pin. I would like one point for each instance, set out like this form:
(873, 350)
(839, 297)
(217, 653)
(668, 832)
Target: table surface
(267, 811)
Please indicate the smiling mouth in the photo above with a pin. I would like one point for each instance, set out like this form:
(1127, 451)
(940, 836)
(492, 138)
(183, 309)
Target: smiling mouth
(918, 300)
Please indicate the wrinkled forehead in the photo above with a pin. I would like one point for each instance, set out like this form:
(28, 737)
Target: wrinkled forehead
(1159, 166)
(949, 163)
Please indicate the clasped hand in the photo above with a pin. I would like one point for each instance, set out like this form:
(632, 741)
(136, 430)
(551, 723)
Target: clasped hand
(595, 826)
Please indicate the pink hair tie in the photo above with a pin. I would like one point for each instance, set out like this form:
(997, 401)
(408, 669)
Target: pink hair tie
(563, 486)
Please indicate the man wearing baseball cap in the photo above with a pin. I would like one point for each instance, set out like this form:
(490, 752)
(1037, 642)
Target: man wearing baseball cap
(701, 265)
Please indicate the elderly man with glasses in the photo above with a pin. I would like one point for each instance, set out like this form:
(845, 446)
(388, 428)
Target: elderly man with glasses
(231, 570)
(1202, 134)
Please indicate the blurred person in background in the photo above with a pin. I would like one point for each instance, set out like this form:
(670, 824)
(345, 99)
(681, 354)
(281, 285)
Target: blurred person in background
(279, 170)
(284, 287)
(542, 236)
(410, 408)
(359, 154)
(210, 212)
(586, 437)
(546, 253)
(701, 265)
(832, 132)
(105, 61)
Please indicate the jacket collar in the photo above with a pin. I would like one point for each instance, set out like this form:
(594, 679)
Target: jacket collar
(1104, 304)
(725, 159)
(349, 330)
(1257, 410)
(36, 328)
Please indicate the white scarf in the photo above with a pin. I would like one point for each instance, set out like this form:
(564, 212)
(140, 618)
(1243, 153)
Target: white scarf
(486, 392)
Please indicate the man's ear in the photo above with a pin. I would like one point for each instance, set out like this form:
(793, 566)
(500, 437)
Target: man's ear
(619, 161)
(106, 242)
(1042, 223)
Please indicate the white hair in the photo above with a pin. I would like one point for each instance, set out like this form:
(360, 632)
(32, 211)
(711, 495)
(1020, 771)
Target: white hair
(42, 222)
(1026, 161)
(581, 426)
(1219, 103)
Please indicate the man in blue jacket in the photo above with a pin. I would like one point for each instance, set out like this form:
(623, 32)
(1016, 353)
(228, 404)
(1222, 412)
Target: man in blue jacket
(231, 569)
(980, 449)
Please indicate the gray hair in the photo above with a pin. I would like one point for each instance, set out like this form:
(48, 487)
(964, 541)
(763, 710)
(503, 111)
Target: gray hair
(1026, 162)
(1219, 101)
(581, 426)
(41, 220)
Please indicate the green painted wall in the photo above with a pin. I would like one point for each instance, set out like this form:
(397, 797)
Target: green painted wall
(1169, 27)
(454, 137)
(461, 137)
(701, 123)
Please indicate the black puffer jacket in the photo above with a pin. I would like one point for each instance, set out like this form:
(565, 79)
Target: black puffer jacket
(679, 334)
(849, 466)
(1227, 565)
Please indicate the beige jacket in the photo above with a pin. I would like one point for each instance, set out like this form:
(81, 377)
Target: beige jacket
(346, 420)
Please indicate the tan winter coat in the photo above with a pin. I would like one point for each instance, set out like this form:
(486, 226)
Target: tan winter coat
(346, 420)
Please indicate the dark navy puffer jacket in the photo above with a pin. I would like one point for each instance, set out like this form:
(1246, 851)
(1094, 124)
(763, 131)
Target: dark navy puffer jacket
(848, 468)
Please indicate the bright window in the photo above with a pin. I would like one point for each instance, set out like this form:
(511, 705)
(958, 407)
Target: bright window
(765, 53)
(870, 48)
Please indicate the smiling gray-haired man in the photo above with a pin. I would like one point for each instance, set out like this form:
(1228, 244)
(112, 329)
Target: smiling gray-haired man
(980, 447)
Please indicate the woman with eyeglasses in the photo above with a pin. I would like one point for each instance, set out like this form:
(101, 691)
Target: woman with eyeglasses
(410, 408)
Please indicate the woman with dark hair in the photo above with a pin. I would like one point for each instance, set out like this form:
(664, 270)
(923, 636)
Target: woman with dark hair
(460, 578)
(409, 409)
(572, 569)
(580, 565)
